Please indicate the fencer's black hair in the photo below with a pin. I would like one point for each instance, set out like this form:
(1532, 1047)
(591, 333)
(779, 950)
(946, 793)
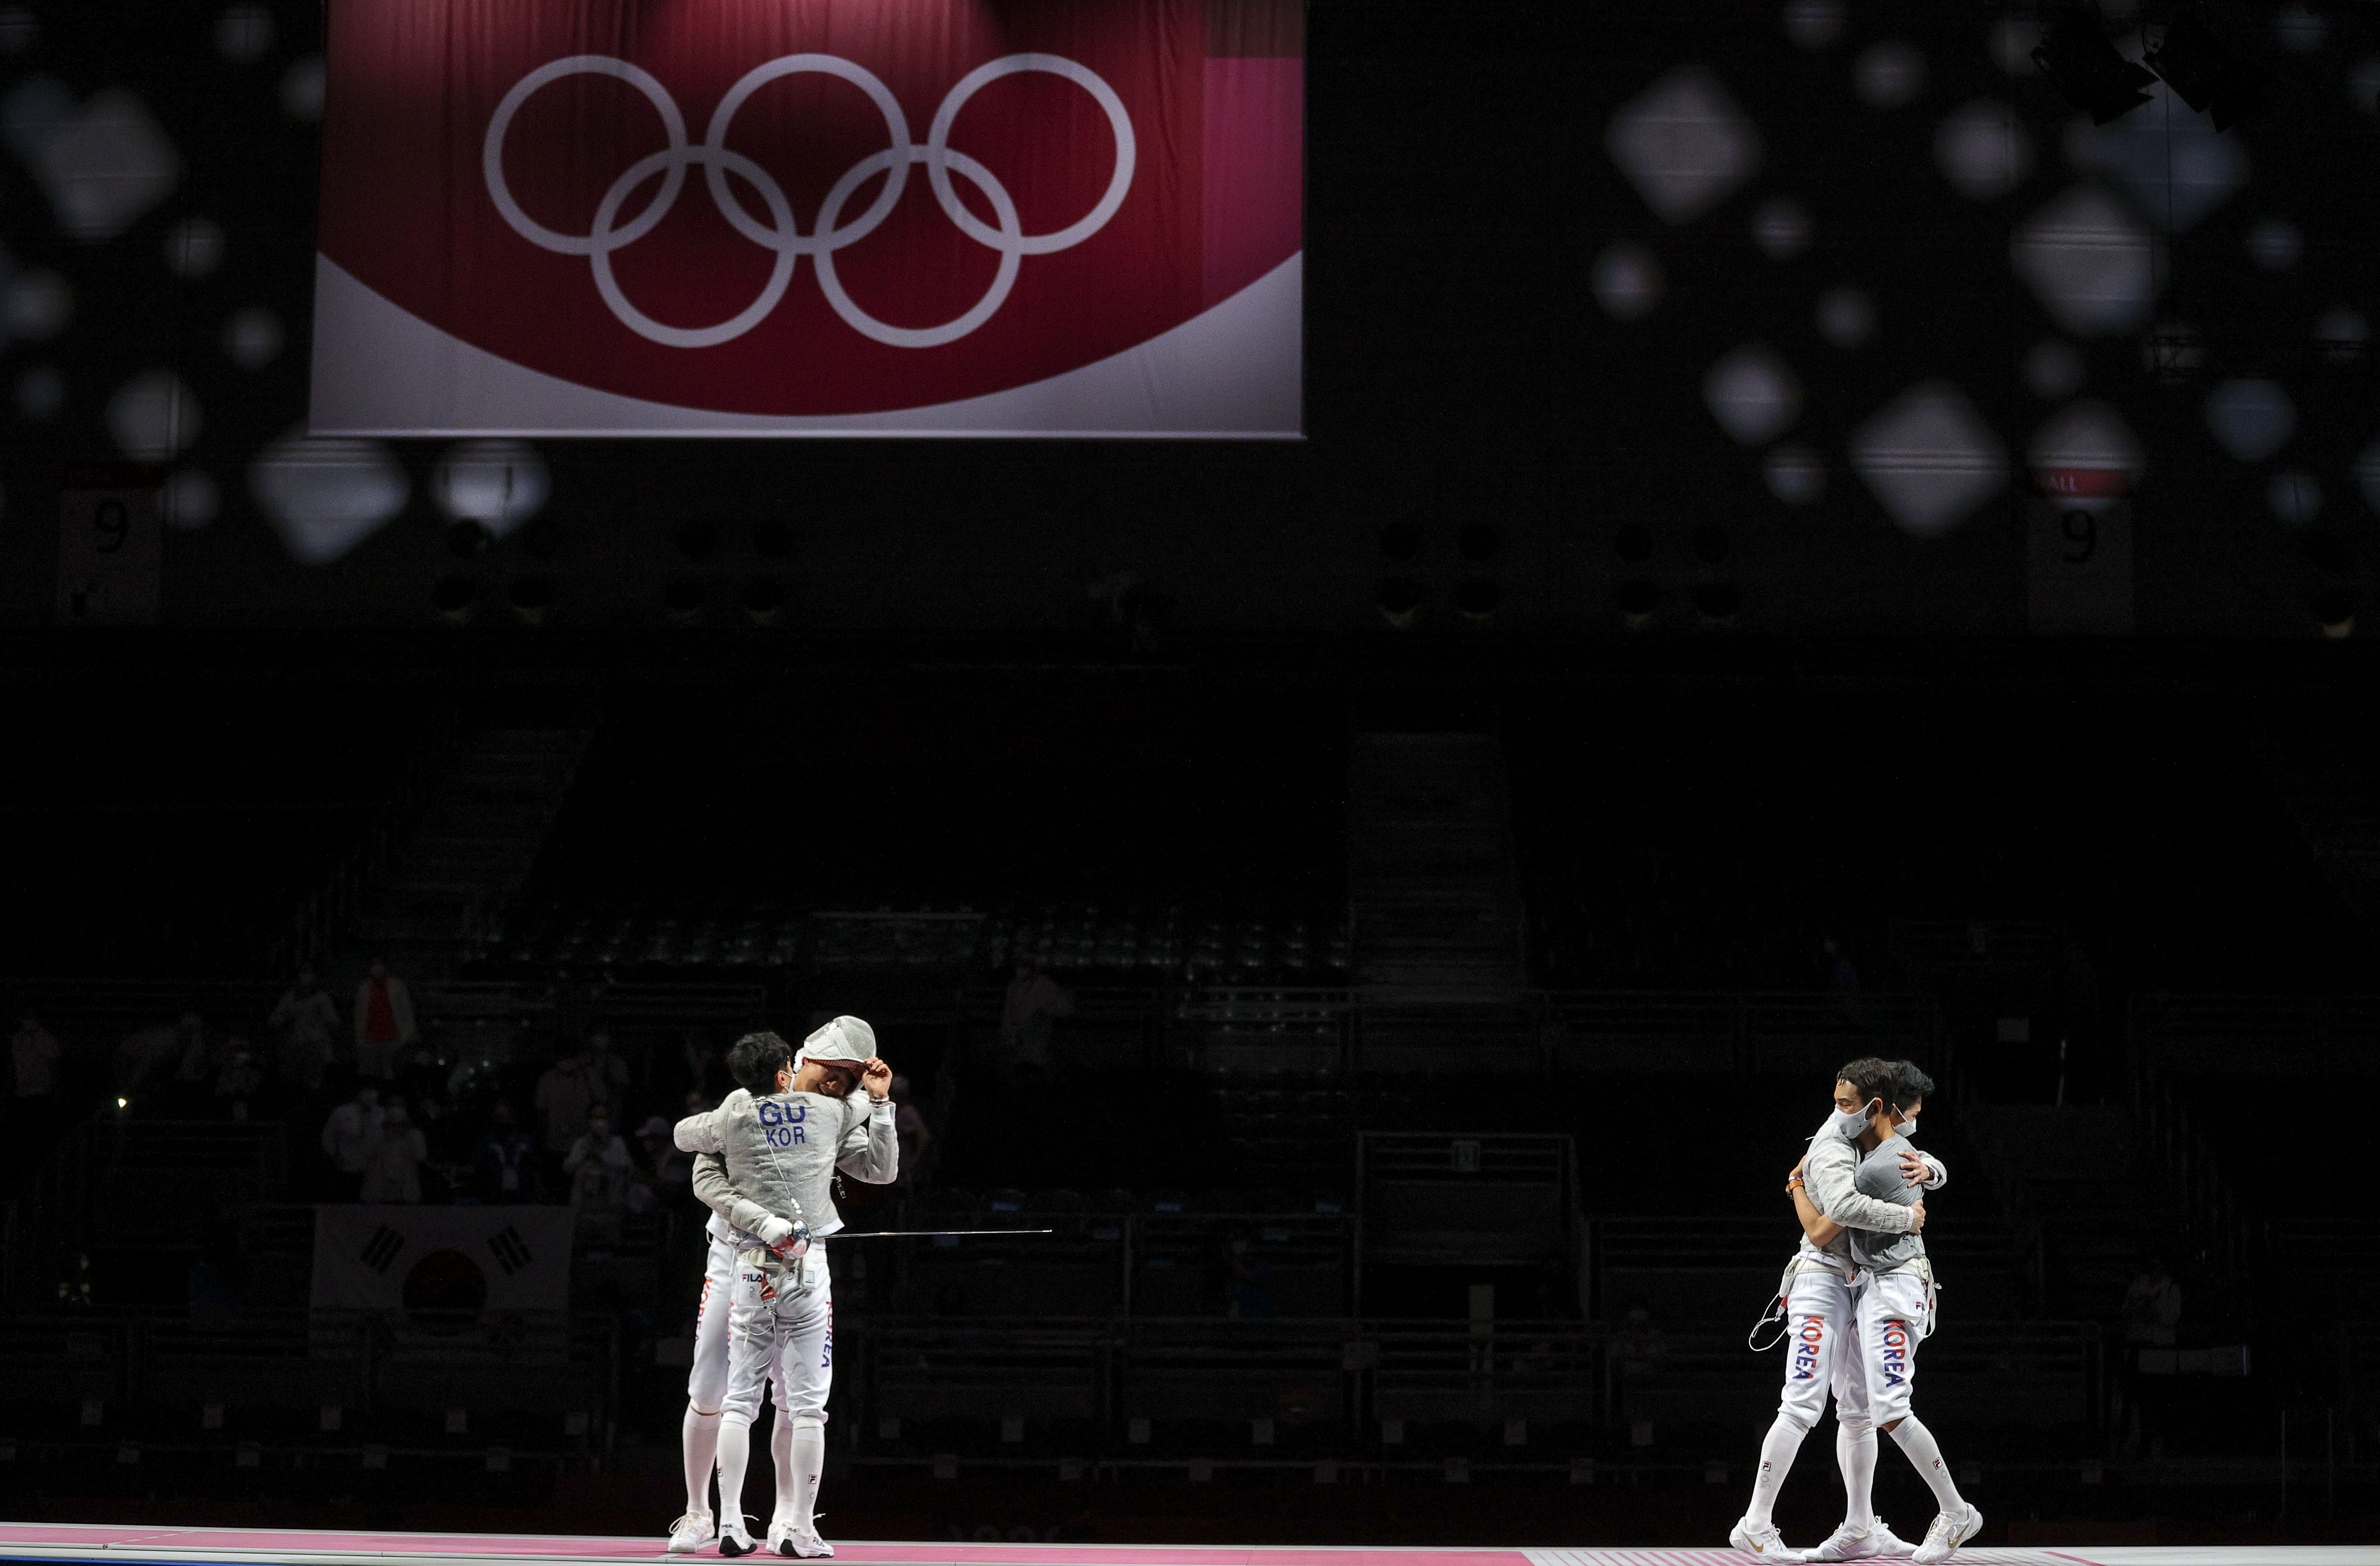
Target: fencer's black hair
(1870, 1078)
(1909, 1085)
(756, 1057)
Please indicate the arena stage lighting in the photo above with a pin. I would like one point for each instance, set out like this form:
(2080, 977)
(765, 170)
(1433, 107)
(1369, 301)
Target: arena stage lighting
(2084, 68)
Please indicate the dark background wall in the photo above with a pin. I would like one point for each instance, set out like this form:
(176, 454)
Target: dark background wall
(1463, 369)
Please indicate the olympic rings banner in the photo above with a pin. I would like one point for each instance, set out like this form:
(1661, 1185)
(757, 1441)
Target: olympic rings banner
(812, 217)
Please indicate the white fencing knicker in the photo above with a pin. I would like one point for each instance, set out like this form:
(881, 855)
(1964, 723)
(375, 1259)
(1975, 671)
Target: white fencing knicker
(1825, 1350)
(706, 1382)
(781, 1331)
(1896, 1314)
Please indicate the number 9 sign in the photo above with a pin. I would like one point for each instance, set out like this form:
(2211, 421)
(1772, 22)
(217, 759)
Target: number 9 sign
(2079, 566)
(109, 546)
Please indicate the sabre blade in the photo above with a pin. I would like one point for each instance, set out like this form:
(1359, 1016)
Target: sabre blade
(923, 1233)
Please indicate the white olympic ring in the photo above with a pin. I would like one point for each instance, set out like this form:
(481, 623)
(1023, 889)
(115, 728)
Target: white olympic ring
(780, 232)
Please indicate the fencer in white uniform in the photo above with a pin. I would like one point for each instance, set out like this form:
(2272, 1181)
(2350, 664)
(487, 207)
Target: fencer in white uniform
(781, 1150)
(1818, 1301)
(1896, 1313)
(705, 1381)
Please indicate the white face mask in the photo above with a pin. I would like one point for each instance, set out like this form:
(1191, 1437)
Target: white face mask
(1848, 1123)
(1907, 1127)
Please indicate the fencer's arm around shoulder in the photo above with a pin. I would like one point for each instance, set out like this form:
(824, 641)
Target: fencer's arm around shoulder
(1821, 1229)
(1940, 1175)
(699, 1134)
(1830, 1181)
(715, 1190)
(872, 1150)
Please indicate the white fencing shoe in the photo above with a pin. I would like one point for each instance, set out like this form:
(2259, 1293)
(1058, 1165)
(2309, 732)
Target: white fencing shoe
(1950, 1530)
(1890, 1545)
(1761, 1539)
(691, 1532)
(1843, 1544)
(733, 1537)
(803, 1544)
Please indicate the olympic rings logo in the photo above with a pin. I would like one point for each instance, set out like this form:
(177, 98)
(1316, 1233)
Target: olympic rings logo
(779, 233)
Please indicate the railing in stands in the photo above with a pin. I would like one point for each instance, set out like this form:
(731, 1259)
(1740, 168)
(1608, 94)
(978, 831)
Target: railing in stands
(2313, 1037)
(1781, 1031)
(92, 1014)
(523, 1362)
(1564, 1030)
(1352, 1371)
(107, 1166)
(93, 1011)
(2226, 1234)
(725, 1003)
(1956, 944)
(1319, 1031)
(1105, 1261)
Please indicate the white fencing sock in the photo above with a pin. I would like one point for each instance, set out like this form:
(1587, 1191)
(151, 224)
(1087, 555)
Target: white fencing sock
(781, 1454)
(1776, 1451)
(735, 1456)
(699, 1437)
(1855, 1451)
(808, 1463)
(1918, 1442)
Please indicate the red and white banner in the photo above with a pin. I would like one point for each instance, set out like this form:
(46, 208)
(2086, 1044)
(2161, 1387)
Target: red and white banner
(788, 217)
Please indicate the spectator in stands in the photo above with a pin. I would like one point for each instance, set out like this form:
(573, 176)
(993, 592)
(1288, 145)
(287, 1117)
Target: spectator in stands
(1034, 1002)
(214, 1277)
(1638, 1348)
(598, 1165)
(145, 1056)
(424, 1069)
(306, 1021)
(2152, 1308)
(502, 1169)
(1247, 1282)
(347, 1137)
(33, 1055)
(566, 1093)
(241, 1082)
(384, 1020)
(140, 1055)
(607, 1072)
(30, 1111)
(704, 1071)
(917, 1136)
(201, 1056)
(395, 1151)
(1638, 1351)
(2151, 1313)
(668, 1173)
(1835, 967)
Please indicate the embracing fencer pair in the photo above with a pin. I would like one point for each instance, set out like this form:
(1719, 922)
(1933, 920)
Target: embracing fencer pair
(764, 1162)
(1856, 1300)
